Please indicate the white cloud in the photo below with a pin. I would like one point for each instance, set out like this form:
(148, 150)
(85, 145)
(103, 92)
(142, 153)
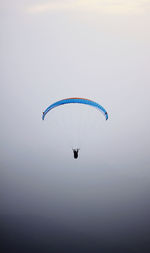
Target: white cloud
(106, 6)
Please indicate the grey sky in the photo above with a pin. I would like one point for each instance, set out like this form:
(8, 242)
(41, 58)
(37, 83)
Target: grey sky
(56, 49)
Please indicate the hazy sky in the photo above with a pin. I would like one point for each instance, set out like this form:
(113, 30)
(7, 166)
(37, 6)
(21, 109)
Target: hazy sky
(99, 49)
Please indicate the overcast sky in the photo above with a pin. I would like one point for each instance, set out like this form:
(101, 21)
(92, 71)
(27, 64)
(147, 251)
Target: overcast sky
(97, 49)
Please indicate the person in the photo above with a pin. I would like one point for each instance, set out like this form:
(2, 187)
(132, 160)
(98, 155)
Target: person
(75, 152)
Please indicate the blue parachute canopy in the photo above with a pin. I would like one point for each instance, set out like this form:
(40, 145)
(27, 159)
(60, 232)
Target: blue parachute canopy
(76, 100)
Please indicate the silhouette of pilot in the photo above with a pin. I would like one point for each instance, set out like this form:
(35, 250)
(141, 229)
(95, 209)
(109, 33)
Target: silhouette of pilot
(75, 152)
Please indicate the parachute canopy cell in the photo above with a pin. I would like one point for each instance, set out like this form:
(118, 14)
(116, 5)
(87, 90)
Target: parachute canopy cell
(76, 100)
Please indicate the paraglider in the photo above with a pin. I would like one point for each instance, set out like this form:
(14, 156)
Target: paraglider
(75, 100)
(75, 153)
